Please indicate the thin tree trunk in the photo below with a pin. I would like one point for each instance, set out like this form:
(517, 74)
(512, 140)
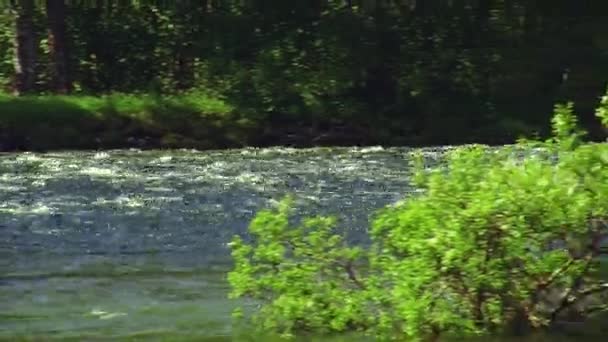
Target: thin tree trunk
(184, 60)
(25, 46)
(56, 13)
(530, 20)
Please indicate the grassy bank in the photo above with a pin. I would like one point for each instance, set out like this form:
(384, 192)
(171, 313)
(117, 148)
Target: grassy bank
(190, 120)
(120, 120)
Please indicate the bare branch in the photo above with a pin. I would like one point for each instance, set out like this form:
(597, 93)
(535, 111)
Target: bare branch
(352, 275)
(576, 284)
(596, 308)
(595, 289)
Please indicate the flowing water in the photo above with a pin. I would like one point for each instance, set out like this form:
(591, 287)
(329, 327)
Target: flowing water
(132, 245)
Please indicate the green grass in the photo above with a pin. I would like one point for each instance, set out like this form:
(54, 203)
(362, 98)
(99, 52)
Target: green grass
(131, 104)
(65, 122)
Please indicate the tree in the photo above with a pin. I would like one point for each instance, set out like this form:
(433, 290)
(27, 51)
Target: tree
(25, 43)
(56, 13)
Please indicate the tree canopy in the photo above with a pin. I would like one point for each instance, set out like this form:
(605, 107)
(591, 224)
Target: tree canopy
(436, 72)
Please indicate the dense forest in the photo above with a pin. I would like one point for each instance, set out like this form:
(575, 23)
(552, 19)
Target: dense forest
(401, 72)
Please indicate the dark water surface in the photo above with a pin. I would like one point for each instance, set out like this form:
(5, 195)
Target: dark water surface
(132, 245)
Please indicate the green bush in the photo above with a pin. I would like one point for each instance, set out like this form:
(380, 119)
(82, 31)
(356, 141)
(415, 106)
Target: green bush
(305, 274)
(494, 243)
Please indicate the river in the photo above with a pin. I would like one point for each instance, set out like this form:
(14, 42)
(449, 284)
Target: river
(131, 245)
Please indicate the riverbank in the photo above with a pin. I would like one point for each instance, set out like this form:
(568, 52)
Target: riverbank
(194, 120)
(114, 121)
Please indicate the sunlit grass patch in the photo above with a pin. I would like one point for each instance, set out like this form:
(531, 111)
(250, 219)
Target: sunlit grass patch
(80, 121)
(125, 104)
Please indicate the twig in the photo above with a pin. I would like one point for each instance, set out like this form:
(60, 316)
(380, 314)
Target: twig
(597, 308)
(352, 275)
(584, 294)
(576, 284)
(543, 285)
(595, 289)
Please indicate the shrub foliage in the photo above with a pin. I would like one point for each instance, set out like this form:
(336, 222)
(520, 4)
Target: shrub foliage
(494, 243)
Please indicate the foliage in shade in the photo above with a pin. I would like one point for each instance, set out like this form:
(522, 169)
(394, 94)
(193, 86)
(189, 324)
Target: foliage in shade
(393, 72)
(495, 243)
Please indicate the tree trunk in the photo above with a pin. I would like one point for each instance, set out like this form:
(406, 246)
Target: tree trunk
(183, 73)
(530, 20)
(56, 13)
(25, 46)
